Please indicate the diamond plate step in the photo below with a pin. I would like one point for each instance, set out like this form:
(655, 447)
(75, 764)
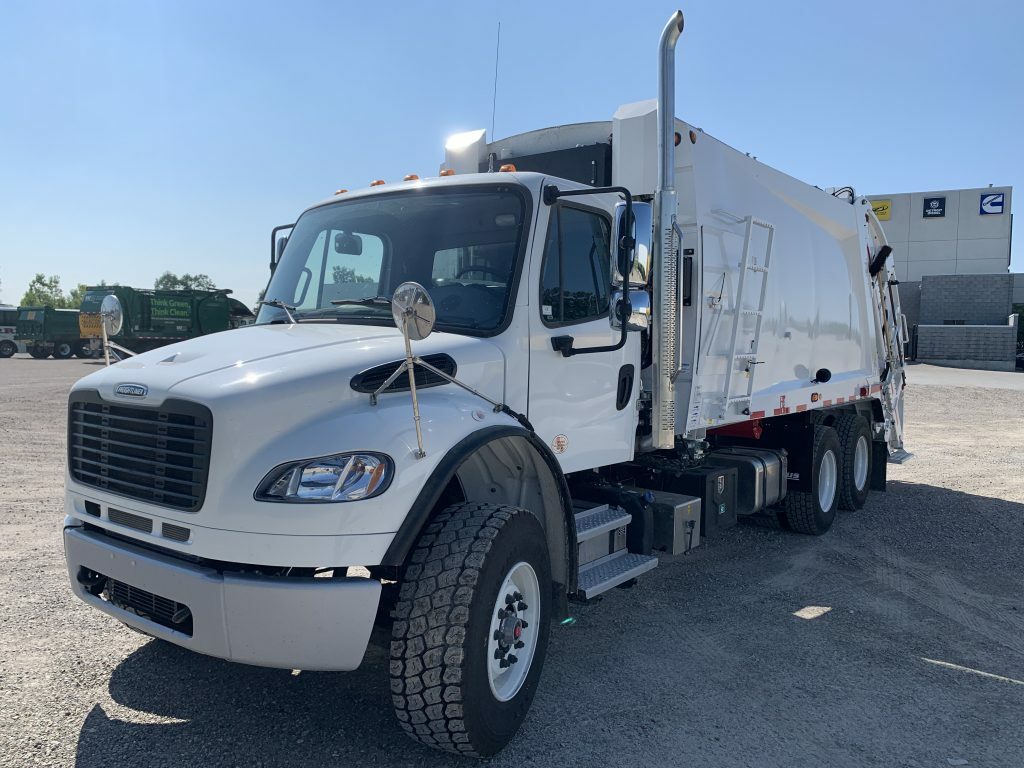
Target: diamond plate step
(599, 519)
(601, 575)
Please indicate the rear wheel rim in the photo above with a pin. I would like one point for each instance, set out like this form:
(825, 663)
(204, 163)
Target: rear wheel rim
(860, 463)
(64, 350)
(513, 631)
(827, 481)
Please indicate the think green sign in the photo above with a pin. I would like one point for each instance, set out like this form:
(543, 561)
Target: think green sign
(166, 308)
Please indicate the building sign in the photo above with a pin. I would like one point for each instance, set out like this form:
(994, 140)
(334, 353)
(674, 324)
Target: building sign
(934, 207)
(882, 209)
(991, 202)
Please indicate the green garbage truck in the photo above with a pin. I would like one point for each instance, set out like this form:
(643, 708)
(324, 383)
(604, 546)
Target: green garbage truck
(48, 331)
(151, 318)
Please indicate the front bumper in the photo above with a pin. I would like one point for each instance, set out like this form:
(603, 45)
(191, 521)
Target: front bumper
(288, 623)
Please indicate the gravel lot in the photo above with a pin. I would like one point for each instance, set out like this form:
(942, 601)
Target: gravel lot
(702, 664)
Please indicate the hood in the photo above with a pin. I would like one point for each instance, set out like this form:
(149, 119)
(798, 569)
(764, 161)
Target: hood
(295, 360)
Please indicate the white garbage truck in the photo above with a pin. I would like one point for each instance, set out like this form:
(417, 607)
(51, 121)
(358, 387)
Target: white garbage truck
(473, 399)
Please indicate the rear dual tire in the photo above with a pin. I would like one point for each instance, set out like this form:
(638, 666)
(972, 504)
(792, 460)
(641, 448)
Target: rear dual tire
(855, 449)
(813, 511)
(63, 350)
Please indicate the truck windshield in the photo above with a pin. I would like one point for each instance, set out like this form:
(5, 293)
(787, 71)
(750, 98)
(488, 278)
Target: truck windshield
(461, 244)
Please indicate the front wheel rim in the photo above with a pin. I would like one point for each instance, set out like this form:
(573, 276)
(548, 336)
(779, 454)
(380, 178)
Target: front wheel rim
(513, 631)
(827, 481)
(860, 463)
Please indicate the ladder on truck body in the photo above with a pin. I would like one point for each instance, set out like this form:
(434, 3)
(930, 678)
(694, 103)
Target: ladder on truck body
(892, 325)
(734, 357)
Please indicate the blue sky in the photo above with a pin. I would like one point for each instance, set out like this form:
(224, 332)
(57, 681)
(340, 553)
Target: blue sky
(142, 136)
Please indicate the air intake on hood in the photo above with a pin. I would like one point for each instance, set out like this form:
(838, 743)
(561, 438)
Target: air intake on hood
(370, 379)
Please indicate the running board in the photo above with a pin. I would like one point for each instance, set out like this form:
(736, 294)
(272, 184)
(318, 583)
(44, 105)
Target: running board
(611, 571)
(900, 457)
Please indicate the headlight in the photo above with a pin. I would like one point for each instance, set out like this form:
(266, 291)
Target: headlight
(341, 477)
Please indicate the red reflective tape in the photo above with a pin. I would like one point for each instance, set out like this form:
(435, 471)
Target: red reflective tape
(801, 408)
(840, 400)
(826, 403)
(876, 388)
(757, 415)
(781, 411)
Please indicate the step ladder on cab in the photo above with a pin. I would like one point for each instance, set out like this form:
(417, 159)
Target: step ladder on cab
(604, 560)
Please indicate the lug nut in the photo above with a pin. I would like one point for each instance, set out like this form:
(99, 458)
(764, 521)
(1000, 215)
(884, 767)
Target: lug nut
(524, 623)
(517, 596)
(497, 634)
(503, 663)
(509, 599)
(499, 652)
(519, 644)
(501, 613)
(512, 658)
(522, 606)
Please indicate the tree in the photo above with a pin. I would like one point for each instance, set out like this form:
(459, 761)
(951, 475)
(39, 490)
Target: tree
(44, 291)
(348, 275)
(169, 281)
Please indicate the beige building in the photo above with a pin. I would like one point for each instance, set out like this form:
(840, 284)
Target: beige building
(947, 232)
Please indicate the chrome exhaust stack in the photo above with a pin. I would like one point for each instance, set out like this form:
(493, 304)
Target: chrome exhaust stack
(666, 248)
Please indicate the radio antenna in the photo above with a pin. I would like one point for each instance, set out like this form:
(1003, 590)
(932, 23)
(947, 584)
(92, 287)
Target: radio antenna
(494, 101)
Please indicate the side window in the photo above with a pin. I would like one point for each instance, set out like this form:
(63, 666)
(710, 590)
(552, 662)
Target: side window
(575, 279)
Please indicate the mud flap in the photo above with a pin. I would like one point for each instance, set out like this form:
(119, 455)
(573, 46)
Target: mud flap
(879, 465)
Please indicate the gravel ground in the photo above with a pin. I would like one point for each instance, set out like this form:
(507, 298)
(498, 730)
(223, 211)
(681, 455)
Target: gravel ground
(703, 663)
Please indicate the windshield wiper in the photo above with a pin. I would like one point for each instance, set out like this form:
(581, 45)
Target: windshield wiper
(281, 305)
(369, 301)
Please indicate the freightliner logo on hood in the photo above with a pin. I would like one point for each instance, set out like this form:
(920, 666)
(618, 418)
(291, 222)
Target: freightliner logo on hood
(131, 390)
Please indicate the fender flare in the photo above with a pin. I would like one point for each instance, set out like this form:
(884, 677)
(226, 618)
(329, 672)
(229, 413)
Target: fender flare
(425, 503)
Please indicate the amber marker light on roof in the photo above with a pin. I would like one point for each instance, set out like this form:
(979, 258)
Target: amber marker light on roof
(507, 168)
(376, 183)
(411, 177)
(447, 172)
(341, 192)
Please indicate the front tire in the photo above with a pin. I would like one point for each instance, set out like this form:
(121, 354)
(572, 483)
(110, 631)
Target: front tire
(471, 628)
(813, 512)
(7, 348)
(855, 473)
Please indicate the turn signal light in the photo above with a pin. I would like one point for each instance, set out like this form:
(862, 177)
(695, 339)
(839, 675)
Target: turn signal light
(376, 183)
(507, 168)
(410, 177)
(815, 397)
(447, 172)
(341, 192)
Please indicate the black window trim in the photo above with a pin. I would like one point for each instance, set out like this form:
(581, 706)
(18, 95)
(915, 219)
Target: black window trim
(552, 216)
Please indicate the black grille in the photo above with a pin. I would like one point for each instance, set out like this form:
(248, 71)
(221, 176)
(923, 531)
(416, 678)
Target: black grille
(138, 522)
(175, 532)
(157, 609)
(370, 379)
(160, 455)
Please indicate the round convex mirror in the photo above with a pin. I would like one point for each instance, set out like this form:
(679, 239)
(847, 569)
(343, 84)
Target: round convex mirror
(111, 314)
(413, 310)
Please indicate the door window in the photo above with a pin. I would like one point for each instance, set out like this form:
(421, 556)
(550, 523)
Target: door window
(576, 276)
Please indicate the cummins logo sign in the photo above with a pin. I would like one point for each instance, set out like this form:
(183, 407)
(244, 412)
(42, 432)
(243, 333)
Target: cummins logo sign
(131, 390)
(991, 203)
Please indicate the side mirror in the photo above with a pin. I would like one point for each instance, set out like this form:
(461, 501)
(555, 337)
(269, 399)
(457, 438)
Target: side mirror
(640, 311)
(279, 249)
(641, 231)
(413, 311)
